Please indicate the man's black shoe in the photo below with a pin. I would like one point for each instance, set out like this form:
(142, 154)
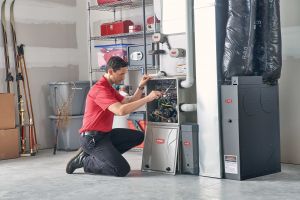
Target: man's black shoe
(76, 162)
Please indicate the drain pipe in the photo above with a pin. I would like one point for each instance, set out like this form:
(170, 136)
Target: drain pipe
(189, 81)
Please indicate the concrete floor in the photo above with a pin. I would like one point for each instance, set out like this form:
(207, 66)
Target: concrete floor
(43, 177)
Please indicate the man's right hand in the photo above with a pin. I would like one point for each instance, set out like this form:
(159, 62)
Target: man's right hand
(124, 109)
(154, 95)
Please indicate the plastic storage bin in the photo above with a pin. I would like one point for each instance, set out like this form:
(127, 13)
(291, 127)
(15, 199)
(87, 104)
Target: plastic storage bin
(105, 52)
(68, 135)
(68, 97)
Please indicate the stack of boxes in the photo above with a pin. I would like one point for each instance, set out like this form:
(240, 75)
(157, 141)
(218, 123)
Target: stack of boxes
(9, 138)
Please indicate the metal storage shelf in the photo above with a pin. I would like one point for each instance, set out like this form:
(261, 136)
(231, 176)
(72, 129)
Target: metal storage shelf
(123, 35)
(113, 7)
(130, 68)
(98, 70)
(124, 4)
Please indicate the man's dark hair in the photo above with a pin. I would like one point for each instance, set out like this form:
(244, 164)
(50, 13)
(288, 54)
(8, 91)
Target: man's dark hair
(115, 63)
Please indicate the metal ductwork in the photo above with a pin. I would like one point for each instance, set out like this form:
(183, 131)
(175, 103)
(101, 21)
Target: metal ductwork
(207, 24)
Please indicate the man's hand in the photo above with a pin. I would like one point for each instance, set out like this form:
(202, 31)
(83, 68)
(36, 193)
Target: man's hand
(124, 109)
(154, 95)
(144, 80)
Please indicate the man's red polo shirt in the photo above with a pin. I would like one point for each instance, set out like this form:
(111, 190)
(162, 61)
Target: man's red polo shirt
(96, 116)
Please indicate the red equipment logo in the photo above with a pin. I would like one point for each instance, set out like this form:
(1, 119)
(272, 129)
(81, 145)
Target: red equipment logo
(160, 141)
(187, 143)
(228, 101)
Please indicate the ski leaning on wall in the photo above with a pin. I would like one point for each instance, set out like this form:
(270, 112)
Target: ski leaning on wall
(19, 78)
(26, 119)
(26, 88)
(8, 78)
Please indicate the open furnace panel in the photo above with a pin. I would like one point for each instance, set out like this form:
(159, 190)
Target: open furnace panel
(163, 109)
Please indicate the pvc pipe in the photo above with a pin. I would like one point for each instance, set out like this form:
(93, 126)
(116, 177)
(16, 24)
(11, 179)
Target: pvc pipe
(188, 107)
(159, 74)
(189, 81)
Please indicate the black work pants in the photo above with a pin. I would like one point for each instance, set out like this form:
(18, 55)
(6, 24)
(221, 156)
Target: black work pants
(105, 150)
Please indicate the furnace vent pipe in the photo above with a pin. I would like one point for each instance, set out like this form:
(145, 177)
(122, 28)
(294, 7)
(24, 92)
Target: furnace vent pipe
(158, 74)
(189, 81)
(188, 107)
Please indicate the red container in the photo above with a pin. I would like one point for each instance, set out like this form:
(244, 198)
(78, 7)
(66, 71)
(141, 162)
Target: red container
(101, 2)
(117, 27)
(135, 28)
(150, 20)
(104, 27)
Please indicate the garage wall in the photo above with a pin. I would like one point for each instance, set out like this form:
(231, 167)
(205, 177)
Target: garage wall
(54, 34)
(289, 82)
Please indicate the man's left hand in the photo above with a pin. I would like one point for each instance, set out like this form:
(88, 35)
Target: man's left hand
(144, 80)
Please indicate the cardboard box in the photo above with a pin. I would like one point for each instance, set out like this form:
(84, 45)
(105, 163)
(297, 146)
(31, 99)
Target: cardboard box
(9, 144)
(7, 111)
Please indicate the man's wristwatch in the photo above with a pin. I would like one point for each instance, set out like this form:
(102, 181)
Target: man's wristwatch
(141, 87)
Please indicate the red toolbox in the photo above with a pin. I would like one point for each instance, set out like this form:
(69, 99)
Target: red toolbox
(104, 28)
(117, 27)
(100, 2)
(135, 28)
